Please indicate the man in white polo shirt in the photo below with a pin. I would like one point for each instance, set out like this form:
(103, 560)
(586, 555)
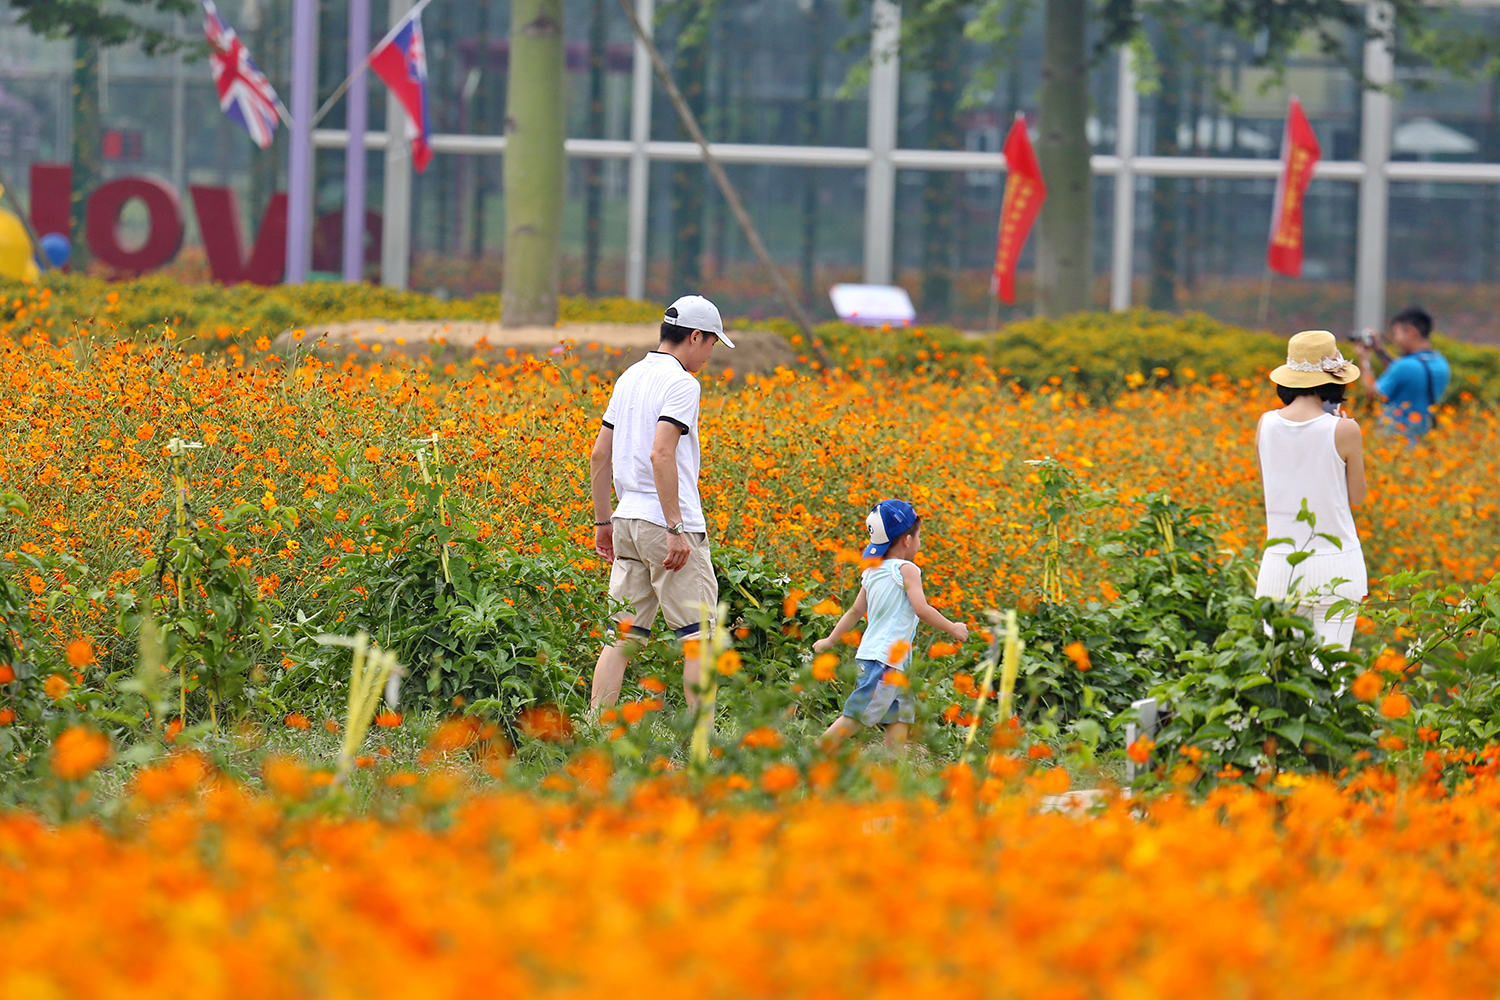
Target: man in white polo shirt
(656, 539)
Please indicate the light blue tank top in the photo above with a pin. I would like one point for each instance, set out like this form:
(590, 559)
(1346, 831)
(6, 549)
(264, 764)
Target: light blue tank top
(889, 615)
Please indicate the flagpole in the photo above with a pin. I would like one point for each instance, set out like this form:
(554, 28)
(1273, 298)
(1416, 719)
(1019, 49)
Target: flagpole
(356, 112)
(299, 160)
(364, 63)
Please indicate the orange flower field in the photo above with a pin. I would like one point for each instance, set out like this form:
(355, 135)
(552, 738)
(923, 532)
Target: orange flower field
(1316, 892)
(792, 462)
(190, 801)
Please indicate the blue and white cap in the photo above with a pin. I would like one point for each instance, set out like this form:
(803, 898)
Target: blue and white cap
(888, 521)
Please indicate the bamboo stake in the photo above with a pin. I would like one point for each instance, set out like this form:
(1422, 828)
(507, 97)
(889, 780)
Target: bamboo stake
(710, 644)
(179, 449)
(1011, 665)
(427, 478)
(990, 661)
(369, 670)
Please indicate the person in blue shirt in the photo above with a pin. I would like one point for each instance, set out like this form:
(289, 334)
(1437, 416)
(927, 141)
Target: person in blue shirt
(1412, 384)
(892, 600)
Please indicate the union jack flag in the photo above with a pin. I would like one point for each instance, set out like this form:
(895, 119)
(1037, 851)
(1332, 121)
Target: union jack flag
(245, 95)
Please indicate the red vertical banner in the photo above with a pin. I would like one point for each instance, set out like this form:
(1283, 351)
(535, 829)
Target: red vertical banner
(1300, 152)
(1024, 193)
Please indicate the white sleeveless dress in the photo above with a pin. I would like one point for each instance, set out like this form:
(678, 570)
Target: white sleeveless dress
(1299, 461)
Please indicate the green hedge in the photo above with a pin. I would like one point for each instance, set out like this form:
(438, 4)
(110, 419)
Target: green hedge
(1105, 353)
(249, 311)
(1100, 353)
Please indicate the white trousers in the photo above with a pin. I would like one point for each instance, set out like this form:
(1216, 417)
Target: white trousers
(1332, 629)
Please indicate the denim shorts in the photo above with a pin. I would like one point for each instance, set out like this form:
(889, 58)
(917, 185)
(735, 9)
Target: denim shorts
(876, 703)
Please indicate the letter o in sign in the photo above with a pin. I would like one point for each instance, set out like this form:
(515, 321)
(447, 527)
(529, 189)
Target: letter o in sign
(164, 224)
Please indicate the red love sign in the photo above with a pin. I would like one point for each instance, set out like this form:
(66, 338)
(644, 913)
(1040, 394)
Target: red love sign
(218, 222)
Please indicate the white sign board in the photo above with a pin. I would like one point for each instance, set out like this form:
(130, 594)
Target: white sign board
(873, 305)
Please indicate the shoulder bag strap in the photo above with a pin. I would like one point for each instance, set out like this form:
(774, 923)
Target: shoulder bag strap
(1431, 392)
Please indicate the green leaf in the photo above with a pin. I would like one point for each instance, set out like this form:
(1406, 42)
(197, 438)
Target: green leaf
(1291, 730)
(1298, 688)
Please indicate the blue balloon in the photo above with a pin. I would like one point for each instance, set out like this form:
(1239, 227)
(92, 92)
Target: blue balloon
(57, 248)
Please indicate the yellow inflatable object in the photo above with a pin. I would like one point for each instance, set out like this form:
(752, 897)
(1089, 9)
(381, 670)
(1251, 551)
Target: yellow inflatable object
(17, 255)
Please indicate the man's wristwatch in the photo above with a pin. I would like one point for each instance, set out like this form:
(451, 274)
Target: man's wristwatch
(674, 529)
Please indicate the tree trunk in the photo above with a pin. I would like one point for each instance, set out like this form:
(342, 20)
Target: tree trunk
(1165, 191)
(939, 237)
(87, 168)
(688, 181)
(535, 166)
(1063, 271)
(593, 170)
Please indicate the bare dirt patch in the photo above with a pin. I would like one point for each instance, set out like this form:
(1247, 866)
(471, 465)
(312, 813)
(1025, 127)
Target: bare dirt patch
(609, 347)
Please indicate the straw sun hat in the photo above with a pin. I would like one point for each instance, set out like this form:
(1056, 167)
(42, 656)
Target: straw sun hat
(1313, 358)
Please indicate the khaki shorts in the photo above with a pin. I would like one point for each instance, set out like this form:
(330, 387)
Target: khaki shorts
(639, 579)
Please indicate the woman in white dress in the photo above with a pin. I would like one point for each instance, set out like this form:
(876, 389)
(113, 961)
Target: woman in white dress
(1309, 451)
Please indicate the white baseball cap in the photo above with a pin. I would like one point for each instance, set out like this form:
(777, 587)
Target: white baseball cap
(694, 312)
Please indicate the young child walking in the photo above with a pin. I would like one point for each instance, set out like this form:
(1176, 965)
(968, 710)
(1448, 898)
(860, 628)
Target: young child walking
(891, 597)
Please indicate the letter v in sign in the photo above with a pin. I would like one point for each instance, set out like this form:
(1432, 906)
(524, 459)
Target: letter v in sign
(219, 224)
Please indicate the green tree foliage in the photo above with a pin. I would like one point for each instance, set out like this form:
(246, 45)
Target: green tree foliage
(115, 22)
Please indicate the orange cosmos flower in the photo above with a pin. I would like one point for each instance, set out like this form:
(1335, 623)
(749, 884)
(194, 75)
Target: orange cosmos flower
(78, 752)
(80, 653)
(286, 777)
(728, 663)
(7, 716)
(7, 673)
(779, 778)
(296, 720)
(388, 719)
(653, 684)
(1079, 654)
(546, 723)
(762, 738)
(1140, 750)
(941, 649)
(1395, 706)
(825, 666)
(56, 686)
(453, 735)
(897, 653)
(1367, 686)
